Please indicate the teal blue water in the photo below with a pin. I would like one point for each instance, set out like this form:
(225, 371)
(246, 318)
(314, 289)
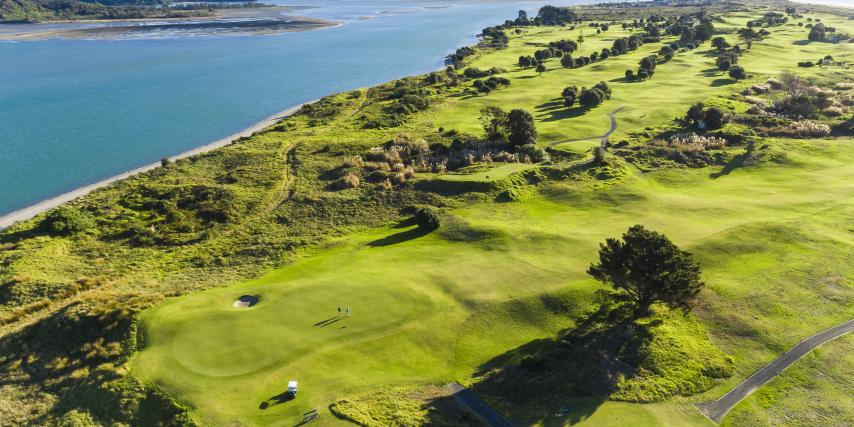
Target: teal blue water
(73, 112)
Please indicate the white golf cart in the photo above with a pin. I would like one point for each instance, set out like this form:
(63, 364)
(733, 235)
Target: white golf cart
(292, 388)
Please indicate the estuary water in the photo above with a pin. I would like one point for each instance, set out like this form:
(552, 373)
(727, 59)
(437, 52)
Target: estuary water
(73, 112)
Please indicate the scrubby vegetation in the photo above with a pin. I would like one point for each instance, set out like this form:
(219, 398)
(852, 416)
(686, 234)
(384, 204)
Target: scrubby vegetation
(38, 10)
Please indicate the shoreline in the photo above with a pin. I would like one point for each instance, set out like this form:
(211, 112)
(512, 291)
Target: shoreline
(32, 211)
(254, 21)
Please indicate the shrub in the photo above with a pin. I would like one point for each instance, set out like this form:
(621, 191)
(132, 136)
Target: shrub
(775, 84)
(534, 153)
(757, 110)
(598, 155)
(804, 129)
(736, 72)
(427, 218)
(834, 111)
(66, 220)
(714, 118)
(694, 142)
(760, 88)
(348, 180)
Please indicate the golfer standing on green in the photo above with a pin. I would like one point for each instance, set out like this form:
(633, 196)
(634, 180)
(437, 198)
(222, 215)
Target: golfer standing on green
(348, 311)
(339, 311)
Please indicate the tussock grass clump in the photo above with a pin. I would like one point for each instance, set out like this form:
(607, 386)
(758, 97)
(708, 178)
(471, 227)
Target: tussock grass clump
(348, 180)
(802, 129)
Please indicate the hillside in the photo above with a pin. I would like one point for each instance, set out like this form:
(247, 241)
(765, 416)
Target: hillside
(462, 256)
(46, 10)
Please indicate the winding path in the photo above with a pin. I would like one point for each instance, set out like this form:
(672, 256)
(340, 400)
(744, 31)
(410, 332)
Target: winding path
(468, 398)
(603, 139)
(717, 409)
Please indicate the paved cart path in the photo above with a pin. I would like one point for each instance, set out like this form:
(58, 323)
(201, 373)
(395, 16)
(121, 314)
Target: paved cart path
(717, 409)
(468, 398)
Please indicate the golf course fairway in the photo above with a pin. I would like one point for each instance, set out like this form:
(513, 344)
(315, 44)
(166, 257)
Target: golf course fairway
(432, 308)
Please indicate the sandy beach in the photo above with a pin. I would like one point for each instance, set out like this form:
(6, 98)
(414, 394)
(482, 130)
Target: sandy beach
(252, 21)
(31, 211)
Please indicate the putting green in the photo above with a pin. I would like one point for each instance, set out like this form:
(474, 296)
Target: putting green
(220, 342)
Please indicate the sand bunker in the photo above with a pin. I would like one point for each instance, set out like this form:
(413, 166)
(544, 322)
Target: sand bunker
(246, 301)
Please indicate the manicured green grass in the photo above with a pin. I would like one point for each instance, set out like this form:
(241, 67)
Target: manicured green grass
(421, 306)
(690, 77)
(489, 174)
(816, 390)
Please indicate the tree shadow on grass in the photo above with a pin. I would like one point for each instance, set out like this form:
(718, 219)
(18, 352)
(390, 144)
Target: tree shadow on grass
(710, 72)
(400, 237)
(554, 104)
(708, 53)
(721, 82)
(23, 234)
(564, 113)
(408, 222)
(736, 162)
(278, 399)
(448, 411)
(568, 377)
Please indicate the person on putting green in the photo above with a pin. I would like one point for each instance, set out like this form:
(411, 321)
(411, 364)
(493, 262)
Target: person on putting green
(339, 311)
(348, 311)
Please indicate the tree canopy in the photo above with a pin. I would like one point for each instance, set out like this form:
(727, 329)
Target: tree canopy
(553, 15)
(645, 268)
(522, 129)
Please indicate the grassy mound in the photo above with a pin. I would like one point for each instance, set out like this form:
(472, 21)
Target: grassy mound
(399, 406)
(606, 356)
(679, 360)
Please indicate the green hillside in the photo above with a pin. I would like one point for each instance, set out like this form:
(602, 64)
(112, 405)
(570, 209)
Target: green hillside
(46, 10)
(119, 307)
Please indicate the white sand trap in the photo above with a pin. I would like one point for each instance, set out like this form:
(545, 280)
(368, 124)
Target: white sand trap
(246, 301)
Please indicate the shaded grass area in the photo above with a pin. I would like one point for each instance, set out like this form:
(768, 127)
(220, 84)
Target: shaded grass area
(425, 405)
